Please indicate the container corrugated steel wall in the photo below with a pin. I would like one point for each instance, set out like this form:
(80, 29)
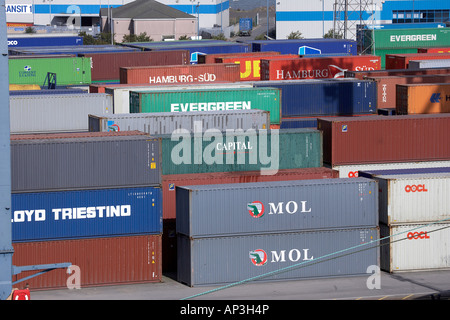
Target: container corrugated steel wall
(170, 182)
(86, 214)
(167, 122)
(291, 46)
(415, 247)
(211, 58)
(101, 261)
(56, 112)
(202, 73)
(325, 97)
(384, 52)
(237, 256)
(401, 61)
(422, 98)
(250, 150)
(195, 100)
(69, 70)
(410, 38)
(81, 163)
(387, 91)
(352, 170)
(434, 50)
(106, 66)
(381, 139)
(423, 64)
(276, 207)
(402, 72)
(413, 198)
(316, 68)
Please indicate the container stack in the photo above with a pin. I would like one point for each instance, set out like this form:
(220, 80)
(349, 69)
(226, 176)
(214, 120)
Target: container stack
(252, 229)
(414, 218)
(91, 199)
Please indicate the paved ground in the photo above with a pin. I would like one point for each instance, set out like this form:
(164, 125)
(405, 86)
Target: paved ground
(400, 286)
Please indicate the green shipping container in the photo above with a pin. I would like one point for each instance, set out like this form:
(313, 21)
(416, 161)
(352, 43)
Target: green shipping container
(68, 70)
(268, 99)
(249, 150)
(408, 38)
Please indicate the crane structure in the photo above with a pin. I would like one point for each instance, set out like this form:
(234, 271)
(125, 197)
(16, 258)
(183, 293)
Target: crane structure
(350, 16)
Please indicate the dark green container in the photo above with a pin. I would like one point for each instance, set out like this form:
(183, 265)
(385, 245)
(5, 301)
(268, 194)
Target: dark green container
(192, 100)
(68, 70)
(250, 150)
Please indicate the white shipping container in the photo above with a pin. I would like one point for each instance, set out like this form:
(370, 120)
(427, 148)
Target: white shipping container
(351, 171)
(415, 247)
(51, 113)
(426, 64)
(413, 198)
(121, 95)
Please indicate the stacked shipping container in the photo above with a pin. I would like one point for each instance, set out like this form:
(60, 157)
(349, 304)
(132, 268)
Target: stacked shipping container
(260, 228)
(79, 193)
(414, 218)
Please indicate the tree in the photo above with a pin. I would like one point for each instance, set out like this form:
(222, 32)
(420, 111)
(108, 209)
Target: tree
(142, 37)
(330, 34)
(295, 35)
(184, 37)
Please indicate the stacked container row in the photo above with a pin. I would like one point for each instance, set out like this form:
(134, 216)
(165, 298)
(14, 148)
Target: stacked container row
(88, 192)
(423, 98)
(414, 218)
(267, 227)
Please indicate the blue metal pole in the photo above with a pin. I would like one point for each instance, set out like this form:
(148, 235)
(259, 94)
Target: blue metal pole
(6, 248)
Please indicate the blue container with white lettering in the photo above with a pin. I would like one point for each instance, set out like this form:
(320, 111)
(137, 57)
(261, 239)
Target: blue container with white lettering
(305, 46)
(333, 97)
(18, 41)
(43, 216)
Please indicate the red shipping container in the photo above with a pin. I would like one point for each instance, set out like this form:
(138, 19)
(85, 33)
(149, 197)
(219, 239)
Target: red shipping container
(106, 66)
(399, 72)
(381, 139)
(194, 73)
(250, 65)
(433, 50)
(211, 58)
(386, 86)
(401, 61)
(101, 261)
(169, 182)
(316, 68)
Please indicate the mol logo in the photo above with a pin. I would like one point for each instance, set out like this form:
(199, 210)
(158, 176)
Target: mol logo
(256, 209)
(258, 257)
(435, 98)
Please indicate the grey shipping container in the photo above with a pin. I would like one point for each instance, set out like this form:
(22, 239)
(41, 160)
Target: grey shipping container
(56, 112)
(309, 254)
(167, 122)
(275, 207)
(424, 64)
(85, 163)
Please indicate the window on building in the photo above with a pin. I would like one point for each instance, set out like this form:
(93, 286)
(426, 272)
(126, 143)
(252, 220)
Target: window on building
(408, 16)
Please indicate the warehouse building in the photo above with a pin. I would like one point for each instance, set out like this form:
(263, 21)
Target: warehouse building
(316, 18)
(209, 13)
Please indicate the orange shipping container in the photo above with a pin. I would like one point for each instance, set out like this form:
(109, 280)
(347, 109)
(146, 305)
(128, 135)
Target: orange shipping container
(194, 73)
(423, 98)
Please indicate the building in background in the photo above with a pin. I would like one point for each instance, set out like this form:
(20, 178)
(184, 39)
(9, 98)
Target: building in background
(23, 13)
(315, 18)
(158, 21)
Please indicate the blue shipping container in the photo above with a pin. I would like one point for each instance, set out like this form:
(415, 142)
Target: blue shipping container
(298, 123)
(41, 41)
(83, 49)
(86, 214)
(305, 46)
(334, 97)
